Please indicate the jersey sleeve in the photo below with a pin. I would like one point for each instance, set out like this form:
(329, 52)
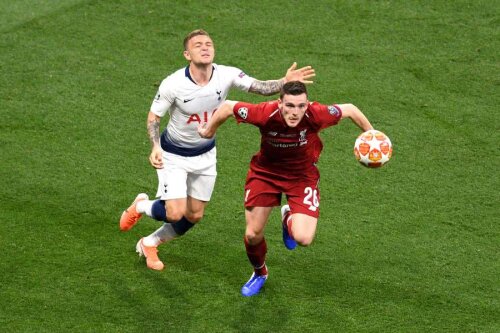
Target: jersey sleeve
(240, 80)
(256, 114)
(164, 98)
(326, 115)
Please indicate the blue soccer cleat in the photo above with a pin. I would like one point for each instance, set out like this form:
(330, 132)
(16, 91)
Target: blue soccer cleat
(254, 285)
(289, 242)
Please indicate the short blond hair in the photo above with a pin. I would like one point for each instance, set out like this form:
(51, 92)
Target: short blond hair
(193, 33)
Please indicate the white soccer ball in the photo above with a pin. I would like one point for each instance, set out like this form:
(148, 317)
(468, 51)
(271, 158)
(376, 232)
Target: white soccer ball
(373, 149)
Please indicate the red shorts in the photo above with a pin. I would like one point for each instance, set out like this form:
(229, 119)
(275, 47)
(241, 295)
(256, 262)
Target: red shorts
(302, 194)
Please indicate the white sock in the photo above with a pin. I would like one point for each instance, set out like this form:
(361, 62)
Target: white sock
(145, 207)
(164, 234)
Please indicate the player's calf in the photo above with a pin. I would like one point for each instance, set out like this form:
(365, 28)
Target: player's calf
(302, 228)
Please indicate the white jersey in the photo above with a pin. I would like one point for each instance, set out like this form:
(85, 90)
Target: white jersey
(190, 104)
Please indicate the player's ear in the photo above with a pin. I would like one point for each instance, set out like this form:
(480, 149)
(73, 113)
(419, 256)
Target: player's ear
(187, 55)
(280, 103)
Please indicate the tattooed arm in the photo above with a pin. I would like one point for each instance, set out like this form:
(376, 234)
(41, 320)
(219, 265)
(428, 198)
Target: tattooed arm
(153, 125)
(272, 87)
(266, 88)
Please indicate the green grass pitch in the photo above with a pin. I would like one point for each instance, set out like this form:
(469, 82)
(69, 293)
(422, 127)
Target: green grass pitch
(412, 247)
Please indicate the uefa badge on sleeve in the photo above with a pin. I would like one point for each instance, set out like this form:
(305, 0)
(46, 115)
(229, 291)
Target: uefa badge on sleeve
(243, 112)
(333, 110)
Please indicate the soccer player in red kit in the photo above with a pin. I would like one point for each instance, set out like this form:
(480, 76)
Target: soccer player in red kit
(286, 163)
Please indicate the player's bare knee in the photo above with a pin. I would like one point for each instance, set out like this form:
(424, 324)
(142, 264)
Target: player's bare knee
(174, 215)
(252, 237)
(304, 240)
(194, 216)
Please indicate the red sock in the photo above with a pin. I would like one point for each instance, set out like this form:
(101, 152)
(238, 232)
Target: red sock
(257, 256)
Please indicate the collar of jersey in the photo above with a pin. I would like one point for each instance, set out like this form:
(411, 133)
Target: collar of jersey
(188, 75)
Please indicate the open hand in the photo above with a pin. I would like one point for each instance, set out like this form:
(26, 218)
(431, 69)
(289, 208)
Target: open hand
(301, 74)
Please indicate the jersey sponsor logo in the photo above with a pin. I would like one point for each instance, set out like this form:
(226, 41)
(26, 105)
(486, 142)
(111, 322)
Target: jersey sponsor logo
(278, 144)
(198, 117)
(243, 112)
(333, 110)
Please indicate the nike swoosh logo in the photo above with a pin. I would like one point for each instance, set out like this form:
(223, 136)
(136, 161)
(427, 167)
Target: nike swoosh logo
(188, 100)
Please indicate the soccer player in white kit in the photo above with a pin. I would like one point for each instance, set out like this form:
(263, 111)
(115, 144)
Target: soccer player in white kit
(185, 162)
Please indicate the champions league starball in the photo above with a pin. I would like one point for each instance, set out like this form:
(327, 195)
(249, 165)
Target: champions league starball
(373, 149)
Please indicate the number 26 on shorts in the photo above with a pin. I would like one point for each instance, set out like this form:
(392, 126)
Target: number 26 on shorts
(311, 198)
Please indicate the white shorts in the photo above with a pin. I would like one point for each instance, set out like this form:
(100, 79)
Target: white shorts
(183, 176)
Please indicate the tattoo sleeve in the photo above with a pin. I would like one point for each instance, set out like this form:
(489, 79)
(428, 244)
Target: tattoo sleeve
(154, 131)
(266, 88)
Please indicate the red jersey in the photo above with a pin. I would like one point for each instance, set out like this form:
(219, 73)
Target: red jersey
(287, 152)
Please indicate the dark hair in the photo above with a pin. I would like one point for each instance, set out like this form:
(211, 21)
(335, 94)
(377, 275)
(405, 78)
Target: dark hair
(193, 33)
(293, 88)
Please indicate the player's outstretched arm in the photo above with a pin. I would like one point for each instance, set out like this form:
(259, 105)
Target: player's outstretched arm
(271, 87)
(207, 130)
(153, 125)
(357, 117)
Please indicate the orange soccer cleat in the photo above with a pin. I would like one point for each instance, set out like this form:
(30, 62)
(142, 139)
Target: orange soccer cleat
(130, 216)
(151, 254)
